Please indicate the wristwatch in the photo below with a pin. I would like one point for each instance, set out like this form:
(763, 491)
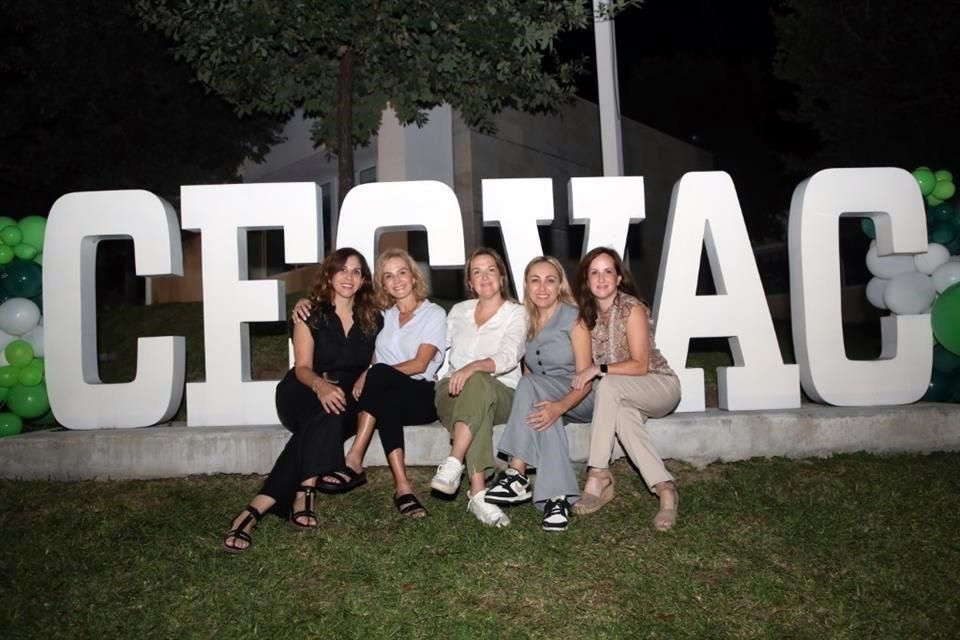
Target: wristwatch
(603, 370)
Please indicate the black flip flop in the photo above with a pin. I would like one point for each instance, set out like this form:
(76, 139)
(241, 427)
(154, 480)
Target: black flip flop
(409, 506)
(349, 480)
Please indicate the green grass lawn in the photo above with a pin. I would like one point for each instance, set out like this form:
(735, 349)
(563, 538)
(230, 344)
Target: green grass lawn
(849, 547)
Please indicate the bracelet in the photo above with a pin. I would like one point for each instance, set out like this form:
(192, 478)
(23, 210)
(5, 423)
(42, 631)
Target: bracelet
(313, 386)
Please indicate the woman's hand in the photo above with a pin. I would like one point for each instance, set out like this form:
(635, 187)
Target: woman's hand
(301, 310)
(459, 378)
(585, 377)
(331, 397)
(547, 412)
(358, 385)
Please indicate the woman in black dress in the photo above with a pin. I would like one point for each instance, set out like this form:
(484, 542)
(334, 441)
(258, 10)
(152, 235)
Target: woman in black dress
(314, 400)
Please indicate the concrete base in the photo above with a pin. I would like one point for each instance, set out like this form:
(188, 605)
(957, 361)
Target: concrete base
(699, 438)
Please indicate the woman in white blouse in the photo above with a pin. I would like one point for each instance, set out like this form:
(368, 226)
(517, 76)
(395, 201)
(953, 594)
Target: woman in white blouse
(487, 336)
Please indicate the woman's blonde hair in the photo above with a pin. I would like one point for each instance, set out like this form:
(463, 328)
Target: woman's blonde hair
(565, 293)
(501, 267)
(384, 299)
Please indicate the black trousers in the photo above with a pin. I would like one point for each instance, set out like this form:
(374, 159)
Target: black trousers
(316, 446)
(395, 399)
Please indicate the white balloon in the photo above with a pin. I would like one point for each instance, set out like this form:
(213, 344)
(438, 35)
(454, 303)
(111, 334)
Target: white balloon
(909, 293)
(888, 266)
(946, 275)
(875, 289)
(936, 255)
(35, 338)
(18, 316)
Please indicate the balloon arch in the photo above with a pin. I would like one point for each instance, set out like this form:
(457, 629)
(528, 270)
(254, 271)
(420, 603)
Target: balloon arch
(928, 282)
(23, 392)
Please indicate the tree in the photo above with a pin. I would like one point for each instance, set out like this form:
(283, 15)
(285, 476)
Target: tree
(343, 61)
(91, 102)
(876, 79)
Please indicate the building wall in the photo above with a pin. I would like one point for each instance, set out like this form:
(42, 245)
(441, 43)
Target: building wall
(564, 146)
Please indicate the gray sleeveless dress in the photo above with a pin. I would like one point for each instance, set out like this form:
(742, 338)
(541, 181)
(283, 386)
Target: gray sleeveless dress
(549, 357)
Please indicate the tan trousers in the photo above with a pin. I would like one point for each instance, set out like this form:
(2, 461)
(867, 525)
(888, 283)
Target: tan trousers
(621, 409)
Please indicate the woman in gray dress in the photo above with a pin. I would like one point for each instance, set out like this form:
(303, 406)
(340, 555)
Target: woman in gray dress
(558, 346)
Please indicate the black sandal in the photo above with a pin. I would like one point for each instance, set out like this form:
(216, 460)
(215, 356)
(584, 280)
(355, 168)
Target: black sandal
(347, 480)
(306, 513)
(238, 532)
(409, 506)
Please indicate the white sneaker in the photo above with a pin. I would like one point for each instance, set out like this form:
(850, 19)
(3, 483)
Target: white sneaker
(488, 514)
(447, 478)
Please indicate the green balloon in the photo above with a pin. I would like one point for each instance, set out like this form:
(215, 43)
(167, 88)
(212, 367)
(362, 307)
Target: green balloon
(19, 353)
(6, 221)
(868, 228)
(8, 376)
(942, 234)
(28, 402)
(6, 254)
(944, 190)
(944, 361)
(11, 236)
(943, 212)
(22, 279)
(31, 374)
(933, 200)
(33, 228)
(925, 179)
(942, 175)
(4, 391)
(10, 424)
(25, 251)
(38, 258)
(945, 318)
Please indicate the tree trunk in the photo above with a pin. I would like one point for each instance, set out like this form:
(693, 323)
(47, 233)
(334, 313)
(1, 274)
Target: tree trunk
(345, 124)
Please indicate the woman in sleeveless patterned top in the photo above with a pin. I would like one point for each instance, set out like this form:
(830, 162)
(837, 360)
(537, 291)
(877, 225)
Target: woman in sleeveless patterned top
(634, 383)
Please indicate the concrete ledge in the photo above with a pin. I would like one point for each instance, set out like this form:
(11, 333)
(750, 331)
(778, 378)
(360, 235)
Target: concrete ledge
(176, 450)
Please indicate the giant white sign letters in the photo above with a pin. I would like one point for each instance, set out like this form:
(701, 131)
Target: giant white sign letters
(704, 212)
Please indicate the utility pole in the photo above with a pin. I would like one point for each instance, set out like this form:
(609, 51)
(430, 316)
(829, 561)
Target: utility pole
(608, 92)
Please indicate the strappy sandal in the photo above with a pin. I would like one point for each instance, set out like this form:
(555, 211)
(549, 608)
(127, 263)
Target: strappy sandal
(307, 513)
(590, 502)
(239, 532)
(347, 480)
(666, 519)
(409, 506)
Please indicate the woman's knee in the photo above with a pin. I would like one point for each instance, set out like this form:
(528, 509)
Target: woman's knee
(478, 383)
(378, 374)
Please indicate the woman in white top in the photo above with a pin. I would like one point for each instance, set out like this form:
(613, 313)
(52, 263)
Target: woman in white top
(486, 336)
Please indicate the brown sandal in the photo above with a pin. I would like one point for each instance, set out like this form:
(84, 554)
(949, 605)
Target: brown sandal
(589, 502)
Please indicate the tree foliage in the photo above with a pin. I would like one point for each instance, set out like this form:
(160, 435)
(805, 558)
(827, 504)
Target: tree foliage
(876, 79)
(343, 61)
(92, 102)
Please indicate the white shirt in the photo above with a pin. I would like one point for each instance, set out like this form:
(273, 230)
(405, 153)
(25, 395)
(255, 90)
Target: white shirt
(396, 344)
(502, 338)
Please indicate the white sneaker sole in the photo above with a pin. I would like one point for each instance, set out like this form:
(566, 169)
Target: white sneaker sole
(507, 501)
(444, 488)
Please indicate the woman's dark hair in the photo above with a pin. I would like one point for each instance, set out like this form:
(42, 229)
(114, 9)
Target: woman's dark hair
(364, 301)
(585, 299)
